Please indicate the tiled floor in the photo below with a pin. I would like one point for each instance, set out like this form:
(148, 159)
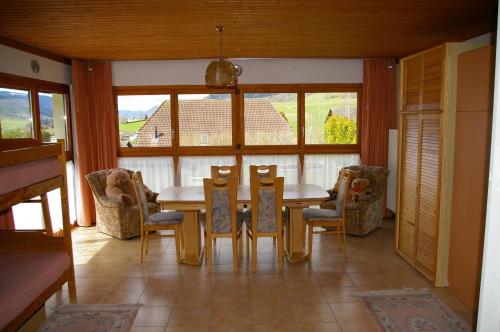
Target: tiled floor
(305, 297)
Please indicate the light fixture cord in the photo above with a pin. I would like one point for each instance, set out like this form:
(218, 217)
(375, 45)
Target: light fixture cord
(220, 29)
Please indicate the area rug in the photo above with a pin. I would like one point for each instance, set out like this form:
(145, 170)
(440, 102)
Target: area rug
(410, 310)
(91, 318)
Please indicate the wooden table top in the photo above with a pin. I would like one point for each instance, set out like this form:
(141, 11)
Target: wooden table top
(194, 194)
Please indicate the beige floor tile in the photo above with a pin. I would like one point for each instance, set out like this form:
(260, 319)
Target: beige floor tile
(306, 295)
(155, 297)
(147, 329)
(350, 312)
(120, 297)
(319, 327)
(129, 284)
(312, 313)
(227, 315)
(274, 328)
(231, 328)
(341, 294)
(189, 317)
(190, 328)
(271, 314)
(152, 316)
(269, 296)
(364, 326)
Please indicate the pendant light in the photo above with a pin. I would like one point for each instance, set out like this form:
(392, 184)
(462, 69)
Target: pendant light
(222, 73)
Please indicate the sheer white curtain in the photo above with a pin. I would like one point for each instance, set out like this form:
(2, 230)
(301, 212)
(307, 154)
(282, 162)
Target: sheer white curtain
(29, 215)
(157, 172)
(288, 166)
(323, 169)
(192, 170)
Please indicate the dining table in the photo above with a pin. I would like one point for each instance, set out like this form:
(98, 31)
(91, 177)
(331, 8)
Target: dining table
(191, 201)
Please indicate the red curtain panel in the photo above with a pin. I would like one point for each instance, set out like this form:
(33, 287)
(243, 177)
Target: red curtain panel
(379, 110)
(95, 127)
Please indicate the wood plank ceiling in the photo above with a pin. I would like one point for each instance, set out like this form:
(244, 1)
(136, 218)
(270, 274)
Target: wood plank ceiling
(185, 29)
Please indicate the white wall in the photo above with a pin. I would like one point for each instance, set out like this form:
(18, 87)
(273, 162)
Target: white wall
(18, 62)
(255, 71)
(489, 296)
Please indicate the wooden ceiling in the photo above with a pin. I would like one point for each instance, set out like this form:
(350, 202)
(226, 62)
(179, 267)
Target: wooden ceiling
(185, 29)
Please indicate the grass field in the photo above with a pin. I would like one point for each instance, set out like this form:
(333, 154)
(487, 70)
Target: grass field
(131, 127)
(17, 125)
(317, 107)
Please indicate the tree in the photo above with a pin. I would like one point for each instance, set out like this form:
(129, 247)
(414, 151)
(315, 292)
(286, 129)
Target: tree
(340, 130)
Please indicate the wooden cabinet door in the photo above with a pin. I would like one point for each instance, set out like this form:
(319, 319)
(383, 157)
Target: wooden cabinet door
(427, 217)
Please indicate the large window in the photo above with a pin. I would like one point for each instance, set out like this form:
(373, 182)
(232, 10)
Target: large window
(308, 131)
(16, 115)
(205, 120)
(33, 111)
(331, 118)
(270, 118)
(144, 121)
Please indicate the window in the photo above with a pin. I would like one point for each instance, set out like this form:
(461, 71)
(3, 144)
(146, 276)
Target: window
(53, 117)
(16, 116)
(205, 120)
(192, 170)
(323, 169)
(144, 121)
(331, 118)
(288, 166)
(270, 118)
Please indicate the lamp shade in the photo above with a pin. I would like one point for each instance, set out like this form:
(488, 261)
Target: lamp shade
(221, 73)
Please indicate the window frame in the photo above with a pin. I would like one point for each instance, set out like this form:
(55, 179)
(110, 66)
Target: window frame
(35, 86)
(238, 148)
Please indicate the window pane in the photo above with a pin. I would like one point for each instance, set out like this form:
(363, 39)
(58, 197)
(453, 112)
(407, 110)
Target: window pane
(331, 118)
(194, 169)
(205, 120)
(288, 166)
(270, 118)
(16, 120)
(323, 169)
(144, 121)
(157, 172)
(53, 117)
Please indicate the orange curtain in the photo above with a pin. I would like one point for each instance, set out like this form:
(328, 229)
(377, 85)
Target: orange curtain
(7, 220)
(379, 110)
(95, 127)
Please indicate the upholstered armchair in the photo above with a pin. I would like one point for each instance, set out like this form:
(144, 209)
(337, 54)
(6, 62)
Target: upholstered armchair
(366, 214)
(113, 217)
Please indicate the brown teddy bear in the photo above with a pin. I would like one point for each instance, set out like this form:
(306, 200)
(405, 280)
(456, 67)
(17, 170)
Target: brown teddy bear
(359, 189)
(119, 185)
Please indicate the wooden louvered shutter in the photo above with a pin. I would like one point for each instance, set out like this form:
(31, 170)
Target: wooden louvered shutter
(428, 192)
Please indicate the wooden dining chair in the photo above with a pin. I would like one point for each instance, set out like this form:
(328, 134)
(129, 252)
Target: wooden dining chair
(333, 219)
(221, 219)
(225, 171)
(169, 221)
(261, 171)
(265, 218)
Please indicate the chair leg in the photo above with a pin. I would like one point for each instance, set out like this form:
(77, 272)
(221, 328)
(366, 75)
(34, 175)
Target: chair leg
(205, 238)
(254, 252)
(177, 243)
(234, 244)
(240, 245)
(142, 246)
(280, 251)
(208, 253)
(310, 229)
(146, 239)
(181, 235)
(248, 245)
(339, 241)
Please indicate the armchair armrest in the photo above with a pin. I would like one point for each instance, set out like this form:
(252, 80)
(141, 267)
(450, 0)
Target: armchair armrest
(110, 202)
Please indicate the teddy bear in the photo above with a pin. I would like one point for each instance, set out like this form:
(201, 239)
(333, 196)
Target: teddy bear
(359, 188)
(119, 185)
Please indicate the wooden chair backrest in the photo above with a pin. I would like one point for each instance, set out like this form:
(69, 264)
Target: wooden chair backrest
(272, 190)
(218, 185)
(263, 171)
(225, 171)
(142, 201)
(344, 190)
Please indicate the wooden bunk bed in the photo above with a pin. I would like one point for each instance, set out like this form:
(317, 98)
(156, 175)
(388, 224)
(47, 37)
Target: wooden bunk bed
(33, 264)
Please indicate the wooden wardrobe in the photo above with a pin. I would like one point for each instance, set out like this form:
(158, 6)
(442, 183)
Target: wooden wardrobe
(427, 117)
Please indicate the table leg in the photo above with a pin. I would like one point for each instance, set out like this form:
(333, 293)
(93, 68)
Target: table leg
(295, 235)
(191, 251)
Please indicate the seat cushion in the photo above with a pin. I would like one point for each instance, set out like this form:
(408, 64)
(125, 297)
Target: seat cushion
(266, 227)
(164, 218)
(25, 276)
(240, 216)
(320, 215)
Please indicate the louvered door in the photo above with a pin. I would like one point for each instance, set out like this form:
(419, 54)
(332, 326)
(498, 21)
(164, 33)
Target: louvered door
(420, 159)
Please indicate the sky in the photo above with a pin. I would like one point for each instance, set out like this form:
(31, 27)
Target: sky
(146, 102)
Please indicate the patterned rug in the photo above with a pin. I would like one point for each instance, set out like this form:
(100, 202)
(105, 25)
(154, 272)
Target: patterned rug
(411, 310)
(91, 318)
